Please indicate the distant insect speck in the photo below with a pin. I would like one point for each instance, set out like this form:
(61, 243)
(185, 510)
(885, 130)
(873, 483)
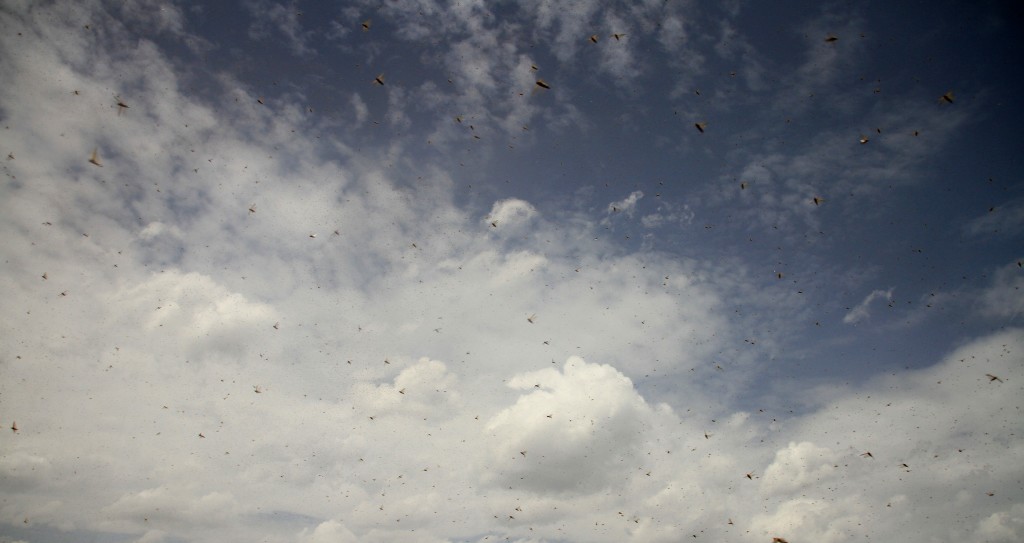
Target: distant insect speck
(531, 317)
(402, 391)
(201, 435)
(868, 455)
(779, 540)
(257, 389)
(121, 106)
(252, 208)
(277, 326)
(947, 98)
(95, 158)
(700, 126)
(312, 236)
(993, 378)
(260, 100)
(817, 201)
(831, 38)
(366, 25)
(45, 277)
(14, 426)
(522, 453)
(593, 38)
(863, 140)
(379, 80)
(618, 36)
(743, 186)
(542, 84)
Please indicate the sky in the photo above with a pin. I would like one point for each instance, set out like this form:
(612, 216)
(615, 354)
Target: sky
(527, 271)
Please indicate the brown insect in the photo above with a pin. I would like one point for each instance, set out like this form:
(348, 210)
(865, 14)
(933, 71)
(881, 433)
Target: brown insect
(95, 158)
(831, 38)
(817, 201)
(531, 317)
(379, 80)
(947, 98)
(750, 476)
(700, 126)
(593, 38)
(201, 435)
(366, 25)
(618, 36)
(260, 100)
(121, 106)
(494, 224)
(522, 453)
(863, 139)
(868, 455)
(402, 391)
(743, 186)
(252, 208)
(993, 378)
(779, 540)
(45, 277)
(277, 326)
(257, 389)
(542, 84)
(14, 426)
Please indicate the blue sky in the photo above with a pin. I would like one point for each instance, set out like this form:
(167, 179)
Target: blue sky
(289, 303)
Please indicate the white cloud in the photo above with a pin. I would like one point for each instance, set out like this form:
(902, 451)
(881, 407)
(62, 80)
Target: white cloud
(862, 310)
(627, 205)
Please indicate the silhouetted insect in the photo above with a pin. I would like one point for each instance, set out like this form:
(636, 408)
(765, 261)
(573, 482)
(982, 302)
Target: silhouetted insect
(916, 132)
(779, 540)
(831, 38)
(750, 476)
(531, 317)
(863, 140)
(593, 38)
(252, 208)
(868, 455)
(45, 277)
(121, 106)
(312, 236)
(990, 493)
(201, 435)
(257, 389)
(700, 126)
(458, 118)
(260, 100)
(95, 158)
(10, 156)
(743, 186)
(947, 98)
(549, 416)
(494, 224)
(14, 426)
(386, 361)
(730, 521)
(707, 435)
(402, 391)
(277, 326)
(542, 84)
(533, 67)
(817, 201)
(522, 453)
(379, 80)
(618, 36)
(993, 378)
